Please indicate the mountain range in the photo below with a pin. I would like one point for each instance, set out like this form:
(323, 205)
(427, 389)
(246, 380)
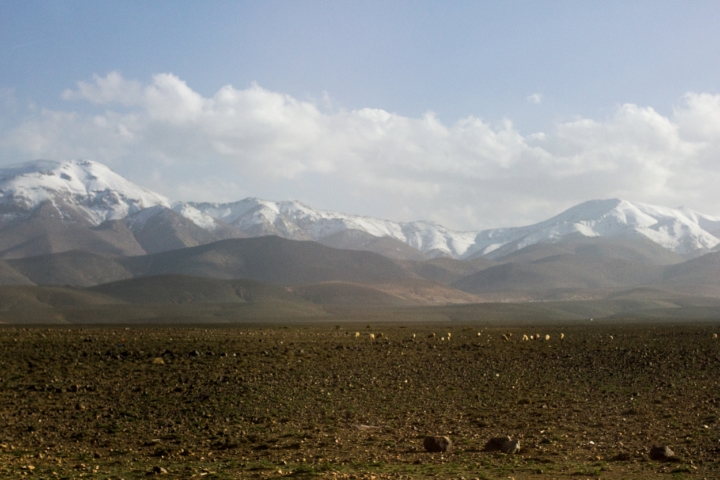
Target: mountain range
(49, 207)
(75, 234)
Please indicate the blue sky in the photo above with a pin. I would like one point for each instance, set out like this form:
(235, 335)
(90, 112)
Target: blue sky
(471, 114)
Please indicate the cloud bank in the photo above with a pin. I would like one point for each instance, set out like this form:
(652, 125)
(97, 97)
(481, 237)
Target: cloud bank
(465, 175)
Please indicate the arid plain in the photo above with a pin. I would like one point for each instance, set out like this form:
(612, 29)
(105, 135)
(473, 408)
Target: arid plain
(302, 400)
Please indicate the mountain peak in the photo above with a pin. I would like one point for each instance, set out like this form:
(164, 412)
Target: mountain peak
(89, 188)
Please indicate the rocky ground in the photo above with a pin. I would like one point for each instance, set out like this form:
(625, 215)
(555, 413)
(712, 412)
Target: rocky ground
(315, 401)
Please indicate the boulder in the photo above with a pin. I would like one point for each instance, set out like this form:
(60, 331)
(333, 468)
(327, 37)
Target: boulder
(503, 444)
(662, 454)
(437, 444)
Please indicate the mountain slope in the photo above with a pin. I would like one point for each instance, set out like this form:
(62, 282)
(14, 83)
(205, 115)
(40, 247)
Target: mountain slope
(46, 230)
(80, 268)
(635, 249)
(359, 240)
(183, 289)
(159, 229)
(269, 259)
(561, 272)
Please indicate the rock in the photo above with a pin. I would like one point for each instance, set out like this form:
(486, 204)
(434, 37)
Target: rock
(661, 454)
(503, 444)
(437, 444)
(495, 444)
(511, 447)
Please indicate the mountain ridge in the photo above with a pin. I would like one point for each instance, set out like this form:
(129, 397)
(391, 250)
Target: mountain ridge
(80, 196)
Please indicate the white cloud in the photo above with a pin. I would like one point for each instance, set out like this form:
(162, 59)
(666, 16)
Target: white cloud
(535, 98)
(468, 174)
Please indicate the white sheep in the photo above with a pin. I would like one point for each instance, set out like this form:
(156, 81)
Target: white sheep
(714, 336)
(562, 336)
(525, 338)
(372, 336)
(547, 337)
(449, 335)
(357, 334)
(432, 335)
(413, 336)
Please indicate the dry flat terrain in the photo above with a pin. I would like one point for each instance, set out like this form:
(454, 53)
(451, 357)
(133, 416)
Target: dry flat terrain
(315, 401)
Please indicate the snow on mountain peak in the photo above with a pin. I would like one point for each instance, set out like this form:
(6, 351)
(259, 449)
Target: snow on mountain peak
(680, 230)
(676, 229)
(97, 194)
(89, 188)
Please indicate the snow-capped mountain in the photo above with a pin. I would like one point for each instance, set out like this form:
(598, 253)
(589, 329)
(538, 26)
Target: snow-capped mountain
(296, 221)
(680, 230)
(89, 193)
(80, 189)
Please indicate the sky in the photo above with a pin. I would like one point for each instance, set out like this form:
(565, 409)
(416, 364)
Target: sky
(469, 114)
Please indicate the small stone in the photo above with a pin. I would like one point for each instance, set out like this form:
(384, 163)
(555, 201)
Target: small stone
(437, 444)
(158, 361)
(661, 454)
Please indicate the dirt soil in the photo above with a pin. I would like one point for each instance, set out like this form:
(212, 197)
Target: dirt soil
(315, 401)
